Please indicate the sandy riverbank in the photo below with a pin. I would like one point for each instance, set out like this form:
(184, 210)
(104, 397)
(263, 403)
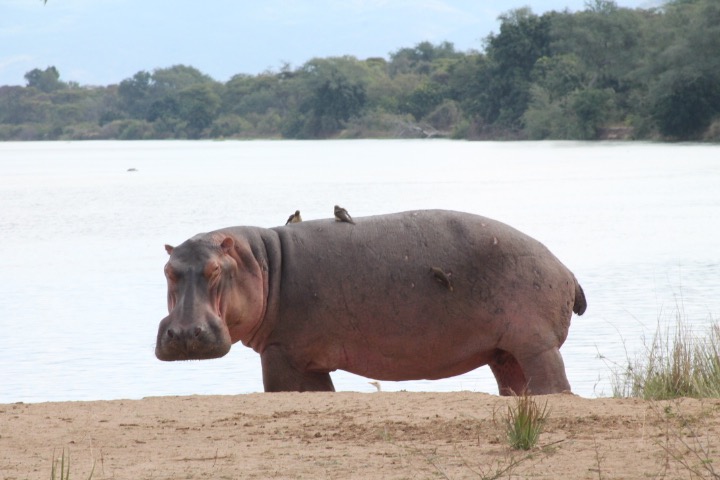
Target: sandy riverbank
(356, 435)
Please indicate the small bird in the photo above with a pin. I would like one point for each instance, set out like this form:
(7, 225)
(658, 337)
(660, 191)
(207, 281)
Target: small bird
(442, 277)
(294, 218)
(376, 384)
(342, 215)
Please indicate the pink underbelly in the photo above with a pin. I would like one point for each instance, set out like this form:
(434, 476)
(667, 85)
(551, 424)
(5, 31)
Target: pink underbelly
(418, 365)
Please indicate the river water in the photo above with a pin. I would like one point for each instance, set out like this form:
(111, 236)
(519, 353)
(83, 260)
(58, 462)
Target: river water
(81, 244)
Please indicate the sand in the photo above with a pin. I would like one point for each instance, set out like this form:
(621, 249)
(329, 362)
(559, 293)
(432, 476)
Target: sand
(358, 435)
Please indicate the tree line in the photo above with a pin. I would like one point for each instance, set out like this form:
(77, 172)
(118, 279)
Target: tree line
(604, 72)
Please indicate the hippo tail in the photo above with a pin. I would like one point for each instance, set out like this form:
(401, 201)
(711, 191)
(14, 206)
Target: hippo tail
(580, 301)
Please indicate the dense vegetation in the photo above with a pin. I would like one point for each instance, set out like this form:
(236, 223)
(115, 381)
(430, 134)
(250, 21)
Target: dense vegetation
(604, 72)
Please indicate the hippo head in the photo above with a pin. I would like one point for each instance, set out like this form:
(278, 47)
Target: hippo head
(214, 298)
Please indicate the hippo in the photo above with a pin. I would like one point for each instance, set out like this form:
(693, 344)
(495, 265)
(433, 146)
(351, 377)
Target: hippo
(368, 298)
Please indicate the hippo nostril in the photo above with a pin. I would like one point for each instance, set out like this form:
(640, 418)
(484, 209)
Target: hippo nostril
(189, 333)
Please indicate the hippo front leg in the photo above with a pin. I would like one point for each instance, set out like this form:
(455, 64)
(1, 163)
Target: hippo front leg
(280, 375)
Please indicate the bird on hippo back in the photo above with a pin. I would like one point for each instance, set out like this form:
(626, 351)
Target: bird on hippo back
(294, 218)
(424, 294)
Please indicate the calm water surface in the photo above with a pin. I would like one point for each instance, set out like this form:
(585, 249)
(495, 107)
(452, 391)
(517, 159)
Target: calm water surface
(81, 244)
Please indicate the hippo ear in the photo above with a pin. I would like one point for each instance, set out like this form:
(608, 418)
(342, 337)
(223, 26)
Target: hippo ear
(227, 245)
(169, 249)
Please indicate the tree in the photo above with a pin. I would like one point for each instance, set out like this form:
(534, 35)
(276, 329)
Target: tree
(578, 116)
(335, 92)
(423, 99)
(685, 104)
(180, 100)
(198, 106)
(135, 94)
(176, 78)
(607, 41)
(559, 75)
(682, 70)
(591, 108)
(524, 38)
(165, 115)
(13, 105)
(47, 80)
(264, 93)
(601, 6)
(420, 58)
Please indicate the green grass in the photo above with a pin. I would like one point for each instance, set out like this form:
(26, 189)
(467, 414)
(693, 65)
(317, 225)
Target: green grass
(64, 463)
(676, 363)
(525, 421)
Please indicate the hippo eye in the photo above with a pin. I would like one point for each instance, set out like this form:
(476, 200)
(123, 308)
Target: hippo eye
(213, 270)
(172, 274)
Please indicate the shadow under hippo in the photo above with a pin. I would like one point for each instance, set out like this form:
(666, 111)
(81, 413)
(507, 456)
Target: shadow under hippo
(422, 294)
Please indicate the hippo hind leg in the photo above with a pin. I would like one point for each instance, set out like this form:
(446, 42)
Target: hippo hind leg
(545, 372)
(537, 375)
(508, 374)
(280, 375)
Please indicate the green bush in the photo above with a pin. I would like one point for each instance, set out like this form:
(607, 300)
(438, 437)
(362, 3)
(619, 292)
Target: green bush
(375, 124)
(135, 130)
(712, 134)
(230, 125)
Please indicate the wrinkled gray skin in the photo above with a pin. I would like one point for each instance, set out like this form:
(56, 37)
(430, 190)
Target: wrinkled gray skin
(321, 295)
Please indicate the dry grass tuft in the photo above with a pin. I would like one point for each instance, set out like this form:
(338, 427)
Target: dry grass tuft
(525, 421)
(64, 463)
(675, 364)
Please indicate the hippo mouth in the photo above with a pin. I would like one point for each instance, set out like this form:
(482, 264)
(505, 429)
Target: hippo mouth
(194, 342)
(174, 352)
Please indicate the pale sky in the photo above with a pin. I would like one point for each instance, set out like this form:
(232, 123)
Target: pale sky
(101, 42)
